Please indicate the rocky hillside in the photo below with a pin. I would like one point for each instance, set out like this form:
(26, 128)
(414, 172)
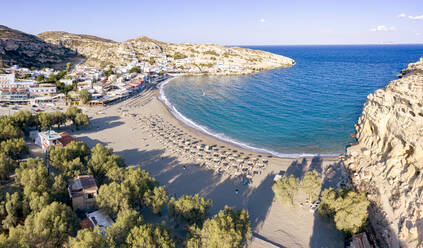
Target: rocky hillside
(28, 50)
(387, 161)
(204, 58)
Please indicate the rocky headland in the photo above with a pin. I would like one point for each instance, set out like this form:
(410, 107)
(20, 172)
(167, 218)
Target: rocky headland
(185, 58)
(387, 160)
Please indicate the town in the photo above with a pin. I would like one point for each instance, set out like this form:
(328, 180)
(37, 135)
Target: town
(84, 84)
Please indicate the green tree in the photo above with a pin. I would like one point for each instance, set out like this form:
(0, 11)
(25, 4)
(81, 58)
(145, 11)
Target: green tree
(103, 161)
(113, 197)
(85, 96)
(285, 189)
(152, 236)
(229, 228)
(44, 121)
(7, 166)
(71, 113)
(8, 130)
(88, 239)
(23, 119)
(40, 78)
(349, 208)
(14, 148)
(139, 183)
(311, 185)
(135, 69)
(58, 118)
(118, 232)
(14, 209)
(156, 198)
(193, 209)
(58, 156)
(51, 227)
(81, 120)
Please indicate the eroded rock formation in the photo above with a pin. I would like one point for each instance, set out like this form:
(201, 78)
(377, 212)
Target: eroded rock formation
(387, 161)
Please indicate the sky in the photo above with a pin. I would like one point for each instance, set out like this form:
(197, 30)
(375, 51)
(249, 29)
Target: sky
(225, 22)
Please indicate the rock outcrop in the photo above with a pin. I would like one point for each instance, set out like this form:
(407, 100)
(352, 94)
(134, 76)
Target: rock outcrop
(28, 50)
(204, 58)
(387, 161)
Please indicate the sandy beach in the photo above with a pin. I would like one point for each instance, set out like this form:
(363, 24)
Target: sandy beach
(144, 132)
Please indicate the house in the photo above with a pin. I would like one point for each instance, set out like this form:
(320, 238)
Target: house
(98, 218)
(82, 191)
(67, 81)
(50, 138)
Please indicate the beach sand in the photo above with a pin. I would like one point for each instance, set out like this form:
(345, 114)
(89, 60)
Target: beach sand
(274, 225)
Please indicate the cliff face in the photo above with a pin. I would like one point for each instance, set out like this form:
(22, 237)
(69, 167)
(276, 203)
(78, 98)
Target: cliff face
(203, 58)
(27, 50)
(387, 160)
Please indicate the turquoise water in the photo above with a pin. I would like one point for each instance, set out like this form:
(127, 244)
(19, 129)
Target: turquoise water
(310, 108)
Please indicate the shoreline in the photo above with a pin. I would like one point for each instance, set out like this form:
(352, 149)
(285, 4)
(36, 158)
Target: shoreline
(222, 137)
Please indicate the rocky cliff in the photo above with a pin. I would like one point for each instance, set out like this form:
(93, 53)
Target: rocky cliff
(206, 58)
(29, 51)
(387, 161)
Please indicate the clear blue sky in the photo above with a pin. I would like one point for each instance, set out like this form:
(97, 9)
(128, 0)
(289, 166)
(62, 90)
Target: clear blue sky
(243, 22)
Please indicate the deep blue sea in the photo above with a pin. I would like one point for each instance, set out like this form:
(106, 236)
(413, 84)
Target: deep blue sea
(310, 108)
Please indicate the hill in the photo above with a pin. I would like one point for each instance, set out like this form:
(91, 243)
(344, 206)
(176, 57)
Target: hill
(204, 58)
(27, 50)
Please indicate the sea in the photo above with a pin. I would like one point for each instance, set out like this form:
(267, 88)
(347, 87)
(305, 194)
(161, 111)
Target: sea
(309, 109)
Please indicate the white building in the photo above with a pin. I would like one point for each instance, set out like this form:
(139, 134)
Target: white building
(43, 90)
(6, 80)
(101, 219)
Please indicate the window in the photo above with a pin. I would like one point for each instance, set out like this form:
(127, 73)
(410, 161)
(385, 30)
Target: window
(90, 196)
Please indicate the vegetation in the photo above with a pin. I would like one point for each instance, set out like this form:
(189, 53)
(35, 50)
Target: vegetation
(135, 69)
(285, 189)
(348, 208)
(85, 96)
(311, 185)
(178, 55)
(229, 228)
(34, 204)
(211, 52)
(193, 209)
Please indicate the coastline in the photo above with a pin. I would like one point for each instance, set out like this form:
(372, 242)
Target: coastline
(222, 137)
(123, 127)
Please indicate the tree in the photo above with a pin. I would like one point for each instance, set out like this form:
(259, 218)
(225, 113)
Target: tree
(348, 208)
(88, 239)
(138, 182)
(7, 165)
(14, 148)
(14, 210)
(23, 119)
(156, 198)
(40, 78)
(45, 121)
(85, 96)
(71, 113)
(285, 189)
(51, 227)
(118, 232)
(58, 118)
(58, 156)
(103, 161)
(68, 66)
(229, 228)
(152, 236)
(193, 209)
(81, 120)
(113, 197)
(135, 69)
(8, 130)
(311, 185)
